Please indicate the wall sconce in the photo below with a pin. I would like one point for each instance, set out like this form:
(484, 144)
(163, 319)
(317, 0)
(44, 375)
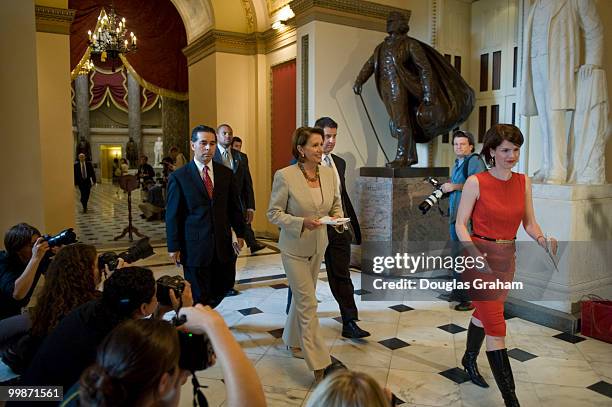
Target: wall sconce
(283, 15)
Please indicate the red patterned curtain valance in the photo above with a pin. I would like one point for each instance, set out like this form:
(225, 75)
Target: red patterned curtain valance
(112, 87)
(159, 64)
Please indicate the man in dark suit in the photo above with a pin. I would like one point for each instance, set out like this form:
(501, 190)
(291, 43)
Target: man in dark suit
(238, 162)
(84, 178)
(202, 207)
(338, 252)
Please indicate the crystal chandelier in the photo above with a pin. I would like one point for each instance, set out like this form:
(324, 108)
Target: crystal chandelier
(110, 37)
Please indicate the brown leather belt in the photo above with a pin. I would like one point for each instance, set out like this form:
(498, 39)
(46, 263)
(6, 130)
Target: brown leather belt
(490, 239)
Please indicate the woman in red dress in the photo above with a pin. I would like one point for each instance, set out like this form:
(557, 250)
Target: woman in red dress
(496, 201)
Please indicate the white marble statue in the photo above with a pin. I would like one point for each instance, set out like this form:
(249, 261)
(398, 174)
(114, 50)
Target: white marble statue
(555, 81)
(158, 149)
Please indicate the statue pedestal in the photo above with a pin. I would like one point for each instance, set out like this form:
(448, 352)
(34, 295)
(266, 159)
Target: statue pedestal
(389, 213)
(580, 217)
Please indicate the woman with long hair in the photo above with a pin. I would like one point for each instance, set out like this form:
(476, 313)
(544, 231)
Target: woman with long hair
(71, 280)
(496, 201)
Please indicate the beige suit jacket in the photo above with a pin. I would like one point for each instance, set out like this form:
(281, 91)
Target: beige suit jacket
(291, 201)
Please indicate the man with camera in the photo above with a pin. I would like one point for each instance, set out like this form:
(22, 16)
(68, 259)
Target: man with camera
(21, 265)
(129, 293)
(467, 163)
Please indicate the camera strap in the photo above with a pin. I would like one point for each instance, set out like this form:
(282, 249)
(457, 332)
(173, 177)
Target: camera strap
(199, 399)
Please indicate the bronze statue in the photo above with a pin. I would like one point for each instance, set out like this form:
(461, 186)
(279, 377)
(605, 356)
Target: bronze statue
(131, 152)
(84, 148)
(424, 95)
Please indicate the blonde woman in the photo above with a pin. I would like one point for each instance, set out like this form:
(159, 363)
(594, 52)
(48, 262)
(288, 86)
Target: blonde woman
(346, 388)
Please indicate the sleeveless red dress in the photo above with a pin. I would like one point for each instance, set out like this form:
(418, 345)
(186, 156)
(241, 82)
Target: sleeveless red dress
(497, 214)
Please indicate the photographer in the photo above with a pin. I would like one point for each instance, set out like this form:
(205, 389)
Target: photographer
(154, 205)
(243, 387)
(134, 347)
(129, 293)
(70, 281)
(467, 163)
(20, 267)
(136, 365)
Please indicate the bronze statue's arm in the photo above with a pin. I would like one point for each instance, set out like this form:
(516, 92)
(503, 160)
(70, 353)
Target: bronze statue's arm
(364, 74)
(422, 63)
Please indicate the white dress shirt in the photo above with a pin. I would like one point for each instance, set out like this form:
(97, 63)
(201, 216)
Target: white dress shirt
(226, 152)
(201, 170)
(331, 164)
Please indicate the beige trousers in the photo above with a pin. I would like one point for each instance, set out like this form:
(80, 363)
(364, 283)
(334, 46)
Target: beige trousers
(302, 326)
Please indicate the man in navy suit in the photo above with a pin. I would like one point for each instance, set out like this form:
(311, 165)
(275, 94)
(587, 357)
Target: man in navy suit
(238, 162)
(338, 252)
(202, 208)
(84, 178)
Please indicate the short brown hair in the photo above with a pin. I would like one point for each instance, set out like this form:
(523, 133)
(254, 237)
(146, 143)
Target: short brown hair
(300, 137)
(496, 135)
(466, 134)
(18, 237)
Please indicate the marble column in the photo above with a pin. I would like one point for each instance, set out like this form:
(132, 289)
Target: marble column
(175, 125)
(134, 111)
(81, 84)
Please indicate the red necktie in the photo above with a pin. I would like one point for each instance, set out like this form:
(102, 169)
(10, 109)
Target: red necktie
(208, 182)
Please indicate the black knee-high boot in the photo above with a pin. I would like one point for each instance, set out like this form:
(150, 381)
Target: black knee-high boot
(475, 337)
(502, 371)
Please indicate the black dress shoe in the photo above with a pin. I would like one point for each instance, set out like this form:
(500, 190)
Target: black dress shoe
(464, 306)
(232, 292)
(351, 330)
(257, 247)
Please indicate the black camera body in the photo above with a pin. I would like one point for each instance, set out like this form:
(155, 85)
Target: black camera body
(65, 237)
(167, 283)
(197, 352)
(434, 197)
(139, 250)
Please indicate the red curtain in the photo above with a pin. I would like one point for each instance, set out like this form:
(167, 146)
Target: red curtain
(283, 113)
(104, 85)
(159, 59)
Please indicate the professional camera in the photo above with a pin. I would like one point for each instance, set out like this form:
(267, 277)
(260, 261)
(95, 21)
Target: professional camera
(66, 236)
(435, 196)
(139, 250)
(167, 283)
(197, 352)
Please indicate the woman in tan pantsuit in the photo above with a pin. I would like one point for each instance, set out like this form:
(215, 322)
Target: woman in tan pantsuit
(302, 194)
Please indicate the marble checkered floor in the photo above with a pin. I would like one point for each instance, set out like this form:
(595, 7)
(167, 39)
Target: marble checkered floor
(415, 348)
(107, 216)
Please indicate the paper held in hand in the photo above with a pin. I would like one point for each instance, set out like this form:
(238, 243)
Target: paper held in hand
(326, 220)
